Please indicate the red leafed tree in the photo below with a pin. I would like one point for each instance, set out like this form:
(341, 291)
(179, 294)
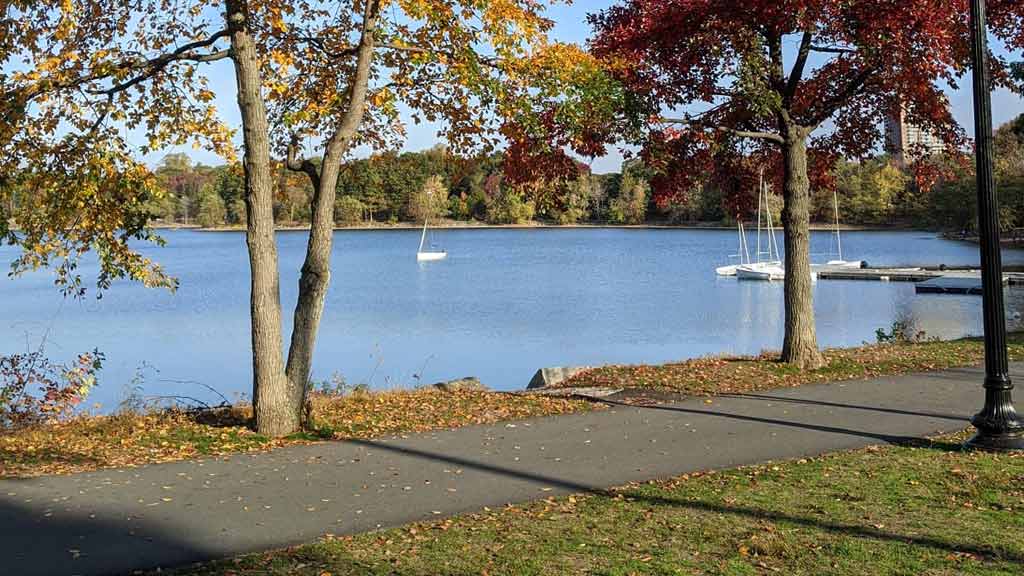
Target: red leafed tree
(794, 83)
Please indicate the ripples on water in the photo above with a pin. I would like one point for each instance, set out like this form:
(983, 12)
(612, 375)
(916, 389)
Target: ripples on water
(503, 304)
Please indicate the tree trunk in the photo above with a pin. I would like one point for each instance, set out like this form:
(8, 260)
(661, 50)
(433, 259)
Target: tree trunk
(276, 413)
(316, 270)
(800, 344)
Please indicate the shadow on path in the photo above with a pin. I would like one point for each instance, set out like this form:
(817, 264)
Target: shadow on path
(747, 396)
(887, 438)
(32, 543)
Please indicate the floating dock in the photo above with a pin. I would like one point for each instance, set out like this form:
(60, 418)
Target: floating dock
(950, 286)
(877, 274)
(927, 280)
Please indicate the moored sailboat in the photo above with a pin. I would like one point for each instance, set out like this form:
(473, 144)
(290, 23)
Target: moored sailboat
(428, 255)
(839, 262)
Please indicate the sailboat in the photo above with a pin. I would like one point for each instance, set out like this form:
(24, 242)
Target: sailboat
(743, 254)
(771, 269)
(839, 262)
(428, 255)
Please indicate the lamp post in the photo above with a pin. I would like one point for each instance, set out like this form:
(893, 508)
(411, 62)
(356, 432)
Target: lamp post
(999, 427)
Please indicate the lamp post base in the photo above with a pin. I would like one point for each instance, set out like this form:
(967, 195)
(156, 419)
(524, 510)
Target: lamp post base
(989, 442)
(999, 428)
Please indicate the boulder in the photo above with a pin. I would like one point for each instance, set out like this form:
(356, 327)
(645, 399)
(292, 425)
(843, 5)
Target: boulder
(549, 377)
(467, 384)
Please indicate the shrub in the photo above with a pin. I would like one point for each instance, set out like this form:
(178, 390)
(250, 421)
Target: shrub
(34, 390)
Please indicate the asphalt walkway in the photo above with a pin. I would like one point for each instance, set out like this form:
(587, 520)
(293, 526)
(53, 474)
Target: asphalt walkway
(116, 521)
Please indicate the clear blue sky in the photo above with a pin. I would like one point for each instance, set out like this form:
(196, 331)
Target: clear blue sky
(571, 26)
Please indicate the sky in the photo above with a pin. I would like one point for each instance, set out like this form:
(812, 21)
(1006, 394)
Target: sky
(570, 26)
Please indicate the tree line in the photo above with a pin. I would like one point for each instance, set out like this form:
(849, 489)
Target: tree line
(437, 183)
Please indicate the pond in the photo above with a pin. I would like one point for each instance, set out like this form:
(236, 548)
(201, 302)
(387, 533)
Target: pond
(503, 304)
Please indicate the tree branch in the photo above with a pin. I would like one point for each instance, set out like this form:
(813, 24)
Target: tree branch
(798, 69)
(832, 104)
(776, 71)
(833, 50)
(154, 65)
(296, 164)
(769, 136)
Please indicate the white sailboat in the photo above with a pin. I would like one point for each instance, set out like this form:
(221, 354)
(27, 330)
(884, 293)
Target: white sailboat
(839, 262)
(771, 269)
(743, 253)
(428, 255)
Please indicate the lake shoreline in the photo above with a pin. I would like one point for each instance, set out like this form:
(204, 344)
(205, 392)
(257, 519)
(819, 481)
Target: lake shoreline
(455, 225)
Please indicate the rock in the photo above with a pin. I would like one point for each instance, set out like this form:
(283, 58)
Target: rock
(568, 391)
(467, 384)
(548, 377)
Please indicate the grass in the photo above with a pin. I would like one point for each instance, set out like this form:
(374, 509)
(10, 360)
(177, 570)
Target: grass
(930, 509)
(93, 442)
(708, 376)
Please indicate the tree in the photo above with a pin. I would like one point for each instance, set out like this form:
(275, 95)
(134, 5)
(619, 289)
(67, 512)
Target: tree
(510, 206)
(212, 212)
(630, 206)
(430, 201)
(577, 199)
(349, 210)
(339, 72)
(70, 77)
(853, 63)
(229, 182)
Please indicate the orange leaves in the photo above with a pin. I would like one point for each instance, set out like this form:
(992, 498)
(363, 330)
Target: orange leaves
(708, 376)
(89, 443)
(367, 415)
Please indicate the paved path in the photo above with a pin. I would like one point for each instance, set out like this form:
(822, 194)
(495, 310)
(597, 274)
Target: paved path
(111, 522)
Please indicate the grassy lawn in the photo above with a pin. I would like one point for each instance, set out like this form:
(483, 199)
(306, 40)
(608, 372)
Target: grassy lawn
(707, 376)
(894, 510)
(94, 442)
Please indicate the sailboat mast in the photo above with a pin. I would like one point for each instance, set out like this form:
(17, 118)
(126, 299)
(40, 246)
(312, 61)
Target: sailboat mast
(771, 231)
(839, 240)
(423, 236)
(745, 256)
(760, 190)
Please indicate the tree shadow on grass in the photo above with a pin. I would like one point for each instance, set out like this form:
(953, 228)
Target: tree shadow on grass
(987, 551)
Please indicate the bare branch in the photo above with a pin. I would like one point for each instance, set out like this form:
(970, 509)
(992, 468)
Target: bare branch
(769, 136)
(833, 50)
(798, 69)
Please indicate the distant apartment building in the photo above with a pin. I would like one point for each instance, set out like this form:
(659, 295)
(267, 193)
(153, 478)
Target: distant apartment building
(906, 142)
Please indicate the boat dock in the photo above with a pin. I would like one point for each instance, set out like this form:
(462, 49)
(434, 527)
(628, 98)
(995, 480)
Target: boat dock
(926, 280)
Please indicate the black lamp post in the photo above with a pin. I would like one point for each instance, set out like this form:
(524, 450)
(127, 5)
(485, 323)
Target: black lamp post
(999, 427)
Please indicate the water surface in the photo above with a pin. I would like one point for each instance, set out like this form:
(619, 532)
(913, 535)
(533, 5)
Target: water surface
(503, 304)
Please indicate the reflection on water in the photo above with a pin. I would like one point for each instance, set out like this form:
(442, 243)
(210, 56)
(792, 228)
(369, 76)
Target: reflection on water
(503, 304)
(934, 316)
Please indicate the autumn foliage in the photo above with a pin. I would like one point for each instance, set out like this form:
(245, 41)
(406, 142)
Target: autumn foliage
(717, 91)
